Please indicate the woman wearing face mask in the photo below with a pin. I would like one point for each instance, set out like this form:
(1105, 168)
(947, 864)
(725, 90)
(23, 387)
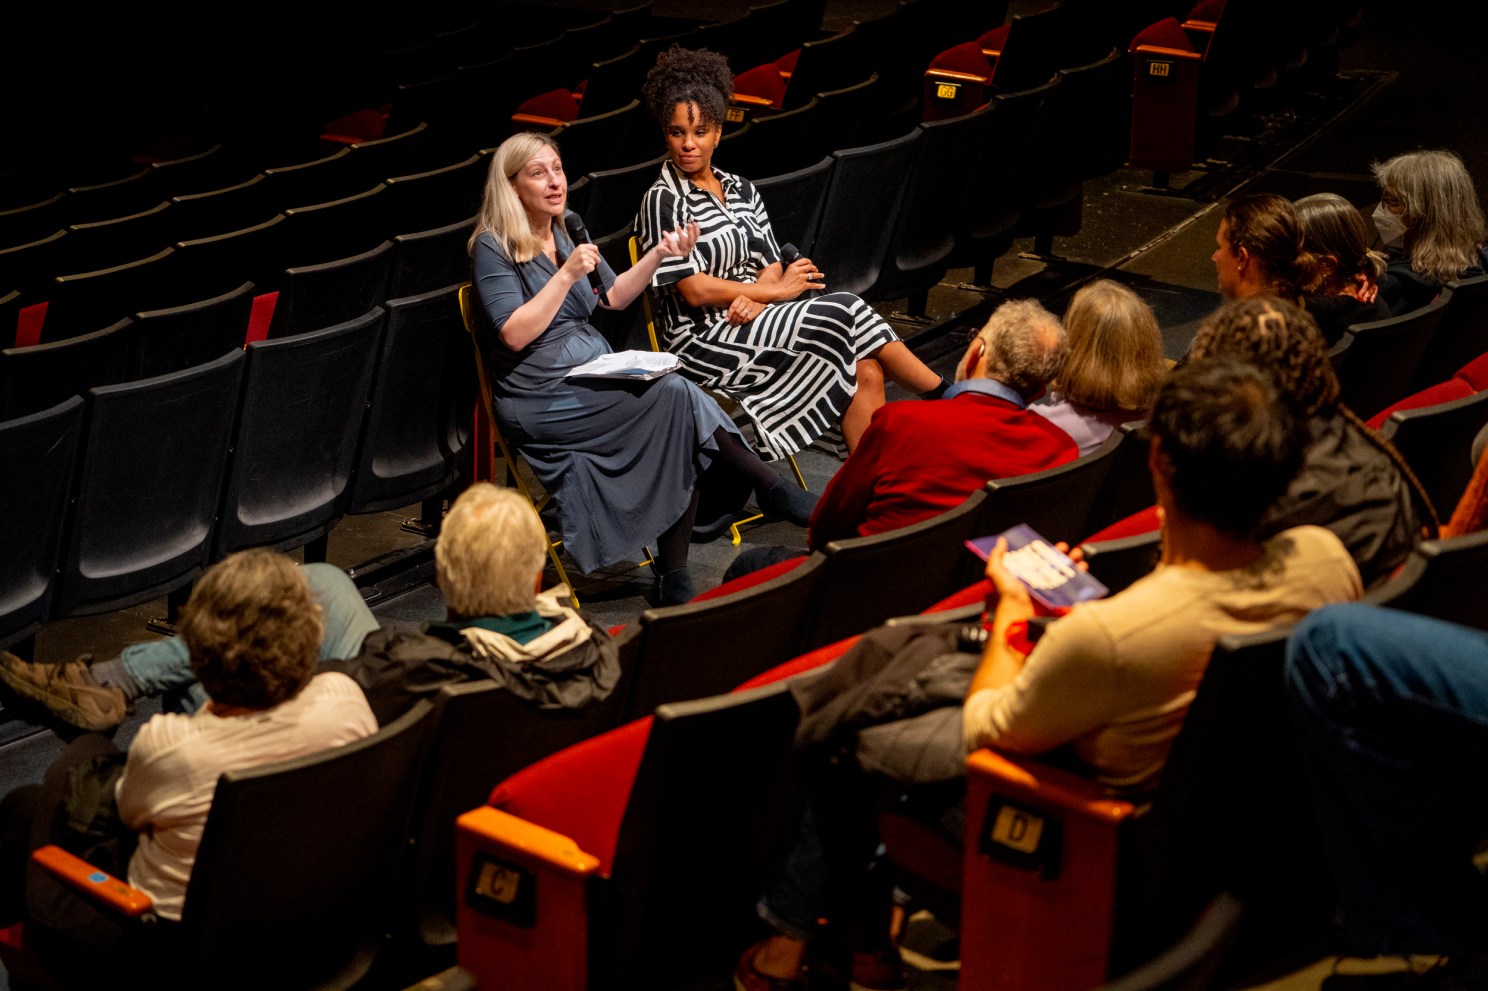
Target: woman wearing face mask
(1430, 225)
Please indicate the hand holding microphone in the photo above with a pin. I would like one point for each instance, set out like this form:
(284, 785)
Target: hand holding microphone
(580, 235)
(790, 256)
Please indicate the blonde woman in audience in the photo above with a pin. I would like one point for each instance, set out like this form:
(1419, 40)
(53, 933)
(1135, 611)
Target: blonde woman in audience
(1115, 364)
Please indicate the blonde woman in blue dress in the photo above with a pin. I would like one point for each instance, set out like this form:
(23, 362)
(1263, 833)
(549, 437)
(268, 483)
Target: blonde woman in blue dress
(622, 458)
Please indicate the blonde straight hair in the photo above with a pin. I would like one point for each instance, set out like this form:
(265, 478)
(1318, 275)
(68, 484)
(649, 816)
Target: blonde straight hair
(1116, 350)
(501, 211)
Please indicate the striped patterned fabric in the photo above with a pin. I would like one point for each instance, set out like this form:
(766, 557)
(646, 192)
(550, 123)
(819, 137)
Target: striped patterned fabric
(791, 369)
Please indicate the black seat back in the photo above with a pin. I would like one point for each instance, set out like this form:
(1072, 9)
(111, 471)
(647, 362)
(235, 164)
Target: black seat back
(1383, 355)
(177, 337)
(40, 376)
(420, 406)
(294, 445)
(32, 513)
(149, 485)
(290, 886)
(862, 201)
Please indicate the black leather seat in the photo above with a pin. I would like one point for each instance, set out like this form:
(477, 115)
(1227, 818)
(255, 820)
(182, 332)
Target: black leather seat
(149, 486)
(40, 376)
(177, 337)
(43, 445)
(1383, 355)
(862, 199)
(294, 444)
(313, 297)
(419, 408)
(426, 260)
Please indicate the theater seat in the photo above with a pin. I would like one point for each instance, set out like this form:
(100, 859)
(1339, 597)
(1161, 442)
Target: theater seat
(656, 834)
(957, 81)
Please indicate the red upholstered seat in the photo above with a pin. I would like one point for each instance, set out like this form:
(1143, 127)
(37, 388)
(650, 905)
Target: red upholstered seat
(752, 579)
(1453, 388)
(1475, 373)
(580, 791)
(975, 592)
(28, 324)
(762, 82)
(1166, 33)
(558, 106)
(966, 57)
(1142, 521)
(994, 40)
(811, 659)
(1207, 10)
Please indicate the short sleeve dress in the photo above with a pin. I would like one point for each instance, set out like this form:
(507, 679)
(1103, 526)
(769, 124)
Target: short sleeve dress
(619, 457)
(792, 368)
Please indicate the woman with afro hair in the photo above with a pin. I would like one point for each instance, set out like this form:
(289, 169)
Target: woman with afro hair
(801, 362)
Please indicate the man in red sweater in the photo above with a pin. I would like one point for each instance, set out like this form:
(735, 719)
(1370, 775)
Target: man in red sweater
(919, 459)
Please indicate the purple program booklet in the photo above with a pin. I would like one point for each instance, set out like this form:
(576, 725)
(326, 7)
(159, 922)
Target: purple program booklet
(1051, 577)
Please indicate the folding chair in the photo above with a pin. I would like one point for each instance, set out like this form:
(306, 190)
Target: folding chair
(498, 442)
(727, 404)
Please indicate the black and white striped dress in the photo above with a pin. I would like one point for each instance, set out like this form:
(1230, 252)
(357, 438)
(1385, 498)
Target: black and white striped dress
(791, 369)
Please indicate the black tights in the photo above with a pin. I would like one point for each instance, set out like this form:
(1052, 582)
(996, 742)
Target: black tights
(673, 544)
(739, 457)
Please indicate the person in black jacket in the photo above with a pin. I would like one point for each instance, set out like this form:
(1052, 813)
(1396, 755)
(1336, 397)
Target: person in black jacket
(488, 559)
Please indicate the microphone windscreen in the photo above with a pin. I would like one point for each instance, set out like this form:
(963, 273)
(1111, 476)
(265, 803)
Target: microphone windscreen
(789, 253)
(576, 230)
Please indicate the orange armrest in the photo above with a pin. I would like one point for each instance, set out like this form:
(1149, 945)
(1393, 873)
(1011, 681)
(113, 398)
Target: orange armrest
(1167, 52)
(532, 842)
(992, 53)
(953, 75)
(537, 120)
(96, 884)
(750, 100)
(1045, 786)
(1204, 27)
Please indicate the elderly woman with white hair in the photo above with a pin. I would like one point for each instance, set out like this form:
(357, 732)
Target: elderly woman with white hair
(1430, 225)
(622, 458)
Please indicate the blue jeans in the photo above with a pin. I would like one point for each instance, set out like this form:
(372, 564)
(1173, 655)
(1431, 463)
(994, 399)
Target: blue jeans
(161, 666)
(1391, 712)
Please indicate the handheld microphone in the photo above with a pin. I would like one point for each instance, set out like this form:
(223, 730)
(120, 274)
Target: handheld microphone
(580, 235)
(788, 254)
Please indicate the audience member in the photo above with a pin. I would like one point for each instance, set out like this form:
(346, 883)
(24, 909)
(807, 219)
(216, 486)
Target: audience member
(1111, 679)
(1391, 713)
(1260, 249)
(918, 459)
(1353, 481)
(800, 361)
(251, 627)
(1345, 288)
(488, 563)
(1114, 368)
(621, 457)
(1430, 226)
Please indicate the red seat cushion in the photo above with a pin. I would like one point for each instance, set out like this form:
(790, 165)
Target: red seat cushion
(28, 324)
(975, 592)
(1207, 10)
(1442, 392)
(1142, 521)
(1166, 33)
(805, 662)
(582, 790)
(752, 579)
(261, 316)
(966, 57)
(1475, 373)
(787, 62)
(557, 104)
(994, 40)
(762, 81)
(363, 125)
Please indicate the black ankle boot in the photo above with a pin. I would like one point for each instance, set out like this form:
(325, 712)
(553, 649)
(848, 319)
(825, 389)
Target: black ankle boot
(937, 391)
(672, 588)
(785, 500)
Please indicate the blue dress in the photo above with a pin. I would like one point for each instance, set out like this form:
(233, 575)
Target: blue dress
(619, 457)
